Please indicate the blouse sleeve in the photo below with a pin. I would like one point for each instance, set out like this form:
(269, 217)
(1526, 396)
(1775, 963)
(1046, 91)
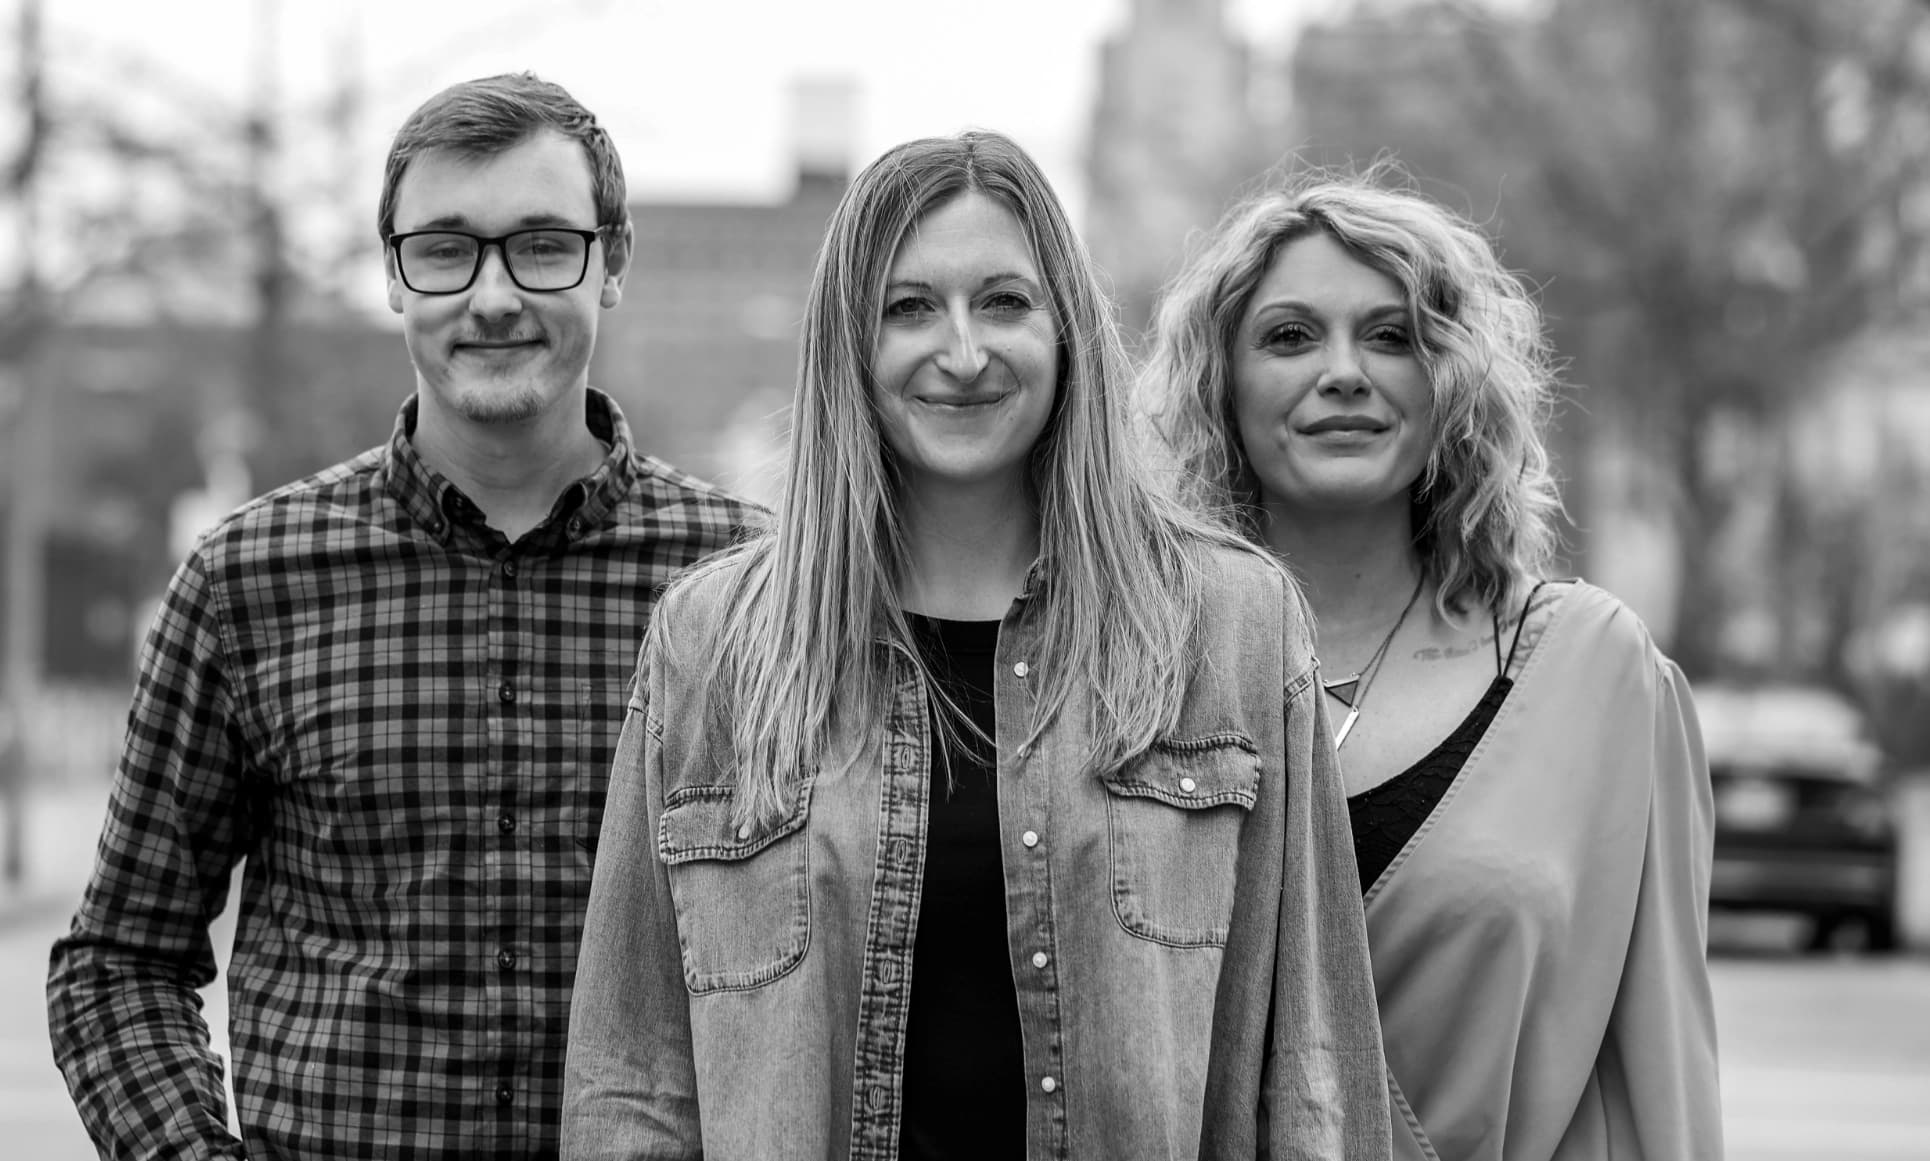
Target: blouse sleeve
(629, 1088)
(1658, 1062)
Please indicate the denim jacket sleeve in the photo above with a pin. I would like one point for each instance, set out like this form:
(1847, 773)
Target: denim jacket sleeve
(1324, 1086)
(630, 1087)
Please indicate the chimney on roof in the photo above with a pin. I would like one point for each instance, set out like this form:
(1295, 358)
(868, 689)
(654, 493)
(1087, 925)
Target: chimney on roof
(824, 129)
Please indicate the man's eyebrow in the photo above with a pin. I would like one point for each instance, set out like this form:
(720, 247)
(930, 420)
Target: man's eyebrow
(526, 222)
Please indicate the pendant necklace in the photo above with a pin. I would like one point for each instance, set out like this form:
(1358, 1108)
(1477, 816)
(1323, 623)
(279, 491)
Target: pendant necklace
(1351, 691)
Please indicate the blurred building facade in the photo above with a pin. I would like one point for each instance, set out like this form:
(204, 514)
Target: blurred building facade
(1177, 126)
(702, 355)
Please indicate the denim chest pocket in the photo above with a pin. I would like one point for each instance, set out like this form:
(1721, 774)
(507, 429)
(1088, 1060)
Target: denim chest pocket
(742, 894)
(1174, 817)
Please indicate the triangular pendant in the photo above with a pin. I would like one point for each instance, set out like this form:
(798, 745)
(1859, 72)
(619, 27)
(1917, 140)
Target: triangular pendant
(1343, 688)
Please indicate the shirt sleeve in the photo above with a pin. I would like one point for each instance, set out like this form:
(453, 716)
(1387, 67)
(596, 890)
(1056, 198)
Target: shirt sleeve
(1325, 1080)
(630, 1085)
(122, 990)
(1658, 1061)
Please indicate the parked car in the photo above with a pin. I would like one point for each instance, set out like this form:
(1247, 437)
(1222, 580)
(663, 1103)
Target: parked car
(1805, 815)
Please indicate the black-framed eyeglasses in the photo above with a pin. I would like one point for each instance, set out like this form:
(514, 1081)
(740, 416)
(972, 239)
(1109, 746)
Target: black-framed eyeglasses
(447, 261)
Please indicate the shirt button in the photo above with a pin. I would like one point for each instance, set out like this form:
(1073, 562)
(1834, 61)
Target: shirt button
(1049, 1084)
(1030, 838)
(575, 527)
(1025, 749)
(899, 850)
(505, 958)
(1039, 959)
(1021, 669)
(744, 832)
(1187, 784)
(509, 568)
(878, 1097)
(506, 693)
(504, 1094)
(505, 822)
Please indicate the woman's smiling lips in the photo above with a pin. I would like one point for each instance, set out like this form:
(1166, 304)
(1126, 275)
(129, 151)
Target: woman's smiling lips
(969, 402)
(1345, 423)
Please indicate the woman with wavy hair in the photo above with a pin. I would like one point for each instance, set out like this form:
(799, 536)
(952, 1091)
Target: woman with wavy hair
(984, 806)
(1349, 375)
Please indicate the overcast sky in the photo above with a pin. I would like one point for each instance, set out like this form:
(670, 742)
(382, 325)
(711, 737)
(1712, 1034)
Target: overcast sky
(695, 91)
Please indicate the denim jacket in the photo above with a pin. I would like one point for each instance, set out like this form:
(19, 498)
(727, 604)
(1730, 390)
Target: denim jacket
(1186, 934)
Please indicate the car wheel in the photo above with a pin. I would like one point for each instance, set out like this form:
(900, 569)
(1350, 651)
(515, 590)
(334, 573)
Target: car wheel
(1823, 927)
(1879, 931)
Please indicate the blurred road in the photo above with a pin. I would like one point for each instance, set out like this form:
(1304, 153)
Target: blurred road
(1824, 1058)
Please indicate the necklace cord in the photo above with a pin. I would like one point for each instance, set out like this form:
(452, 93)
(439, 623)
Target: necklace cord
(1363, 680)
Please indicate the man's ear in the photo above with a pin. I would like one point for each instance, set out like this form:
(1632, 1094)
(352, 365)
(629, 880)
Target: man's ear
(618, 245)
(394, 276)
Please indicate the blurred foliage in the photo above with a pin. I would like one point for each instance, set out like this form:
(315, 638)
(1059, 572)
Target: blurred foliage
(1717, 197)
(173, 319)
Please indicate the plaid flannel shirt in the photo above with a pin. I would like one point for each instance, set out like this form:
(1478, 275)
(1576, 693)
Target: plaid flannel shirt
(404, 724)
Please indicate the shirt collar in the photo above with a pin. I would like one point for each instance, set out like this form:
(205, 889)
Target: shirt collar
(588, 503)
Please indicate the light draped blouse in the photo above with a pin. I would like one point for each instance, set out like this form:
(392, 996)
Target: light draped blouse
(1539, 944)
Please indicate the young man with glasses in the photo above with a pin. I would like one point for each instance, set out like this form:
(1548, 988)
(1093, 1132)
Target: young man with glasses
(394, 689)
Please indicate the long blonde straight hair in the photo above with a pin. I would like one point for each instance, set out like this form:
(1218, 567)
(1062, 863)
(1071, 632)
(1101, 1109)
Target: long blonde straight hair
(806, 641)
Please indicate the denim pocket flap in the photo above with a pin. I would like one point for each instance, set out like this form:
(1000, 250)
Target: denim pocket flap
(697, 825)
(1195, 774)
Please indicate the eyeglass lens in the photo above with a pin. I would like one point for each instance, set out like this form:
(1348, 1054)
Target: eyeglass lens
(538, 259)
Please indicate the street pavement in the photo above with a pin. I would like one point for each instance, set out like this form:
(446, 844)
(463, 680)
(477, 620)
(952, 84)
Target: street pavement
(1824, 1058)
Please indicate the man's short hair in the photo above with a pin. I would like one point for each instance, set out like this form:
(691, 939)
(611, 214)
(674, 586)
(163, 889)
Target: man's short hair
(481, 118)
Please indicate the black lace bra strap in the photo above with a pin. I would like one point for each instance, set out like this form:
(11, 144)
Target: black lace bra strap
(1519, 625)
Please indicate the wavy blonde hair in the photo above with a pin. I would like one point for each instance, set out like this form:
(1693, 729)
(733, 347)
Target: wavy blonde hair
(1485, 507)
(813, 619)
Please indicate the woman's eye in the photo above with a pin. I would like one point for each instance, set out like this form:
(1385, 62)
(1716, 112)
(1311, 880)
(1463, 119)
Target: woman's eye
(1390, 338)
(1288, 335)
(906, 308)
(1008, 304)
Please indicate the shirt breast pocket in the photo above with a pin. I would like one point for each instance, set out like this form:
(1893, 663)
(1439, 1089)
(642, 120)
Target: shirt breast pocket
(741, 894)
(1174, 817)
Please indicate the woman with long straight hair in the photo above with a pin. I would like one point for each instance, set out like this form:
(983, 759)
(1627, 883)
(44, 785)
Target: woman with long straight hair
(984, 806)
(1346, 371)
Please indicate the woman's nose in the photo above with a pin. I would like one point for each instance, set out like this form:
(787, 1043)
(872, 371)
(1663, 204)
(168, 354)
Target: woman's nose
(963, 356)
(1343, 371)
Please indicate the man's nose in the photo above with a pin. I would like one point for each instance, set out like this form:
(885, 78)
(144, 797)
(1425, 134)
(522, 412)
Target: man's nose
(494, 293)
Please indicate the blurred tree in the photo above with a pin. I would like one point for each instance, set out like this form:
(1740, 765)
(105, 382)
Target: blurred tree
(132, 199)
(1717, 195)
